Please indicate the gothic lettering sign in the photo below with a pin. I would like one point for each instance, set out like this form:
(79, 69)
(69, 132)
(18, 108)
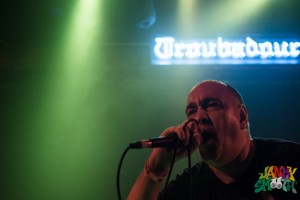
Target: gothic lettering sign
(168, 51)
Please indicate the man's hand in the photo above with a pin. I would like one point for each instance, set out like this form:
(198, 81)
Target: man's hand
(160, 158)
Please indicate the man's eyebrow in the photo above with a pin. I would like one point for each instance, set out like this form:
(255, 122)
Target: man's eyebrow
(208, 99)
(190, 105)
(203, 102)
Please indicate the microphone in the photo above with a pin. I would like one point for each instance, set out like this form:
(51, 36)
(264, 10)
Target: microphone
(170, 141)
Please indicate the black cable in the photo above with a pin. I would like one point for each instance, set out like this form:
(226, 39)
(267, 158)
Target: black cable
(171, 167)
(189, 159)
(190, 185)
(119, 170)
(190, 172)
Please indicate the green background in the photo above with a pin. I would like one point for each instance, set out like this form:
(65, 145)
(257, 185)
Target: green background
(77, 86)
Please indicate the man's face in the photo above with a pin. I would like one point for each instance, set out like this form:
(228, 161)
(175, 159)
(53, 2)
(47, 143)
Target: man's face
(217, 111)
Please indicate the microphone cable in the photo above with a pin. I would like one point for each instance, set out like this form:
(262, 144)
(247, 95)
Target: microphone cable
(171, 165)
(119, 171)
(190, 184)
(190, 159)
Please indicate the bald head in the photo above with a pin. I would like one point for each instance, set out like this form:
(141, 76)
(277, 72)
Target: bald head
(221, 86)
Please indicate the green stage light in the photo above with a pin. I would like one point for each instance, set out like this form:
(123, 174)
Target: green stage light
(235, 13)
(198, 17)
(67, 139)
(187, 15)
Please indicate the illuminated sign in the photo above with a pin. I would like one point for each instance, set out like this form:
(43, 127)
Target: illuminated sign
(168, 51)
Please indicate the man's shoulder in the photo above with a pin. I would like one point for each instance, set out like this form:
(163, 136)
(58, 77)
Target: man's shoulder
(275, 143)
(277, 150)
(197, 169)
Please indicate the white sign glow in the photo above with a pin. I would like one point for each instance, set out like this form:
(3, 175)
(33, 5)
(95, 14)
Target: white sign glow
(168, 51)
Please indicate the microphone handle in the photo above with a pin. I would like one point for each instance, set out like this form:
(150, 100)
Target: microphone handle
(170, 142)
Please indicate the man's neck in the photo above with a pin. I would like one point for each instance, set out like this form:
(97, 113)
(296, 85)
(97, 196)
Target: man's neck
(235, 169)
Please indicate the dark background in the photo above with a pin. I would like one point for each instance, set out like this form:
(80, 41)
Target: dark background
(74, 95)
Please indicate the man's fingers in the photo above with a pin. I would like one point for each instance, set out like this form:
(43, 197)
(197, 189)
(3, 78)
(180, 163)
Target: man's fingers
(190, 129)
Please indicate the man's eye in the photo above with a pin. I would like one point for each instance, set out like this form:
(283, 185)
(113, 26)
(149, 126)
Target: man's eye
(191, 111)
(212, 106)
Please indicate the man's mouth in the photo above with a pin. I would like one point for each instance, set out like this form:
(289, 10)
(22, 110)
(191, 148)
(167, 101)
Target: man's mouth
(206, 137)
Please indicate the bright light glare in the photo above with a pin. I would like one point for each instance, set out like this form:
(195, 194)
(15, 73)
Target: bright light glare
(67, 144)
(187, 15)
(231, 14)
(193, 17)
(83, 30)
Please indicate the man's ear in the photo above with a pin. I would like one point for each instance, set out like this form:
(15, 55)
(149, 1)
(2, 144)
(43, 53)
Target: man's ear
(243, 117)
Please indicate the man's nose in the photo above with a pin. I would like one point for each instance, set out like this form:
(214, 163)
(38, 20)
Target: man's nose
(202, 117)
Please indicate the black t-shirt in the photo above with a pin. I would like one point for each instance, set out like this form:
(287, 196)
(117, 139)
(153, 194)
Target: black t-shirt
(274, 173)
